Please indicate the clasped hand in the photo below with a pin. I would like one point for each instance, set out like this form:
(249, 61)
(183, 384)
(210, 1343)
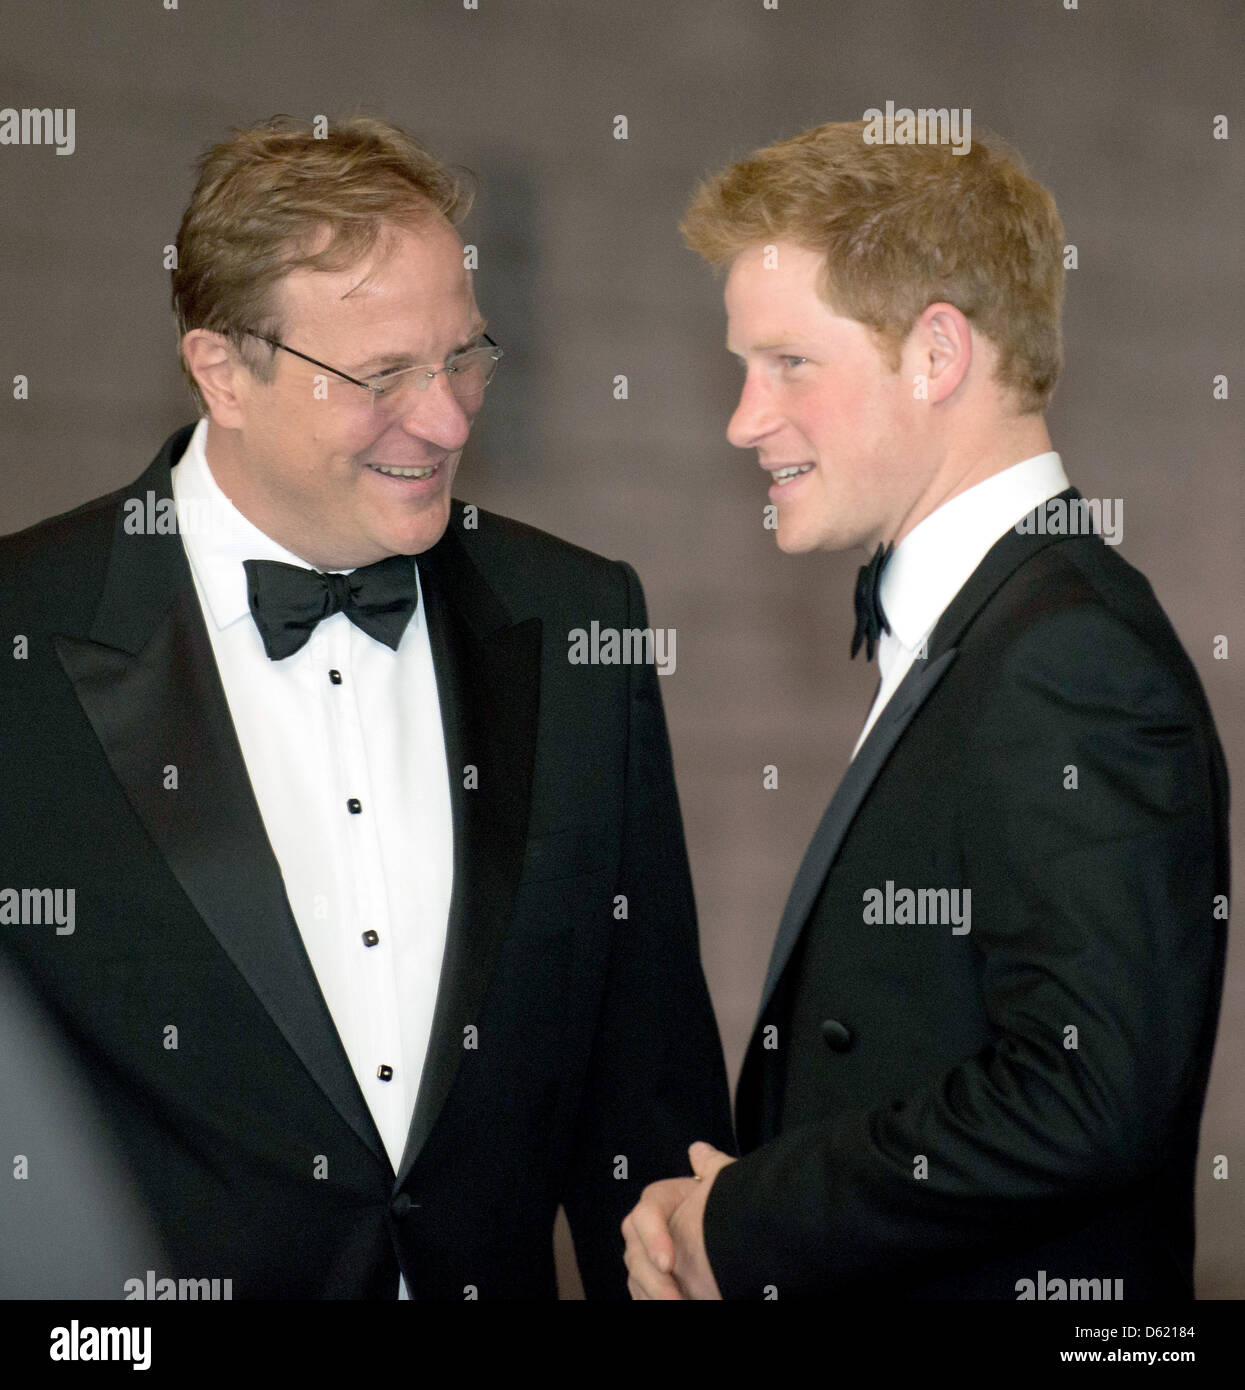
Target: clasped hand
(665, 1233)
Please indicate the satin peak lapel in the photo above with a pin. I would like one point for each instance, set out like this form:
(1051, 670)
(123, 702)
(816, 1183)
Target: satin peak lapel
(488, 684)
(147, 680)
(913, 690)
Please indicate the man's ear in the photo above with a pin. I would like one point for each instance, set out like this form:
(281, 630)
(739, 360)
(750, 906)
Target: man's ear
(942, 339)
(221, 375)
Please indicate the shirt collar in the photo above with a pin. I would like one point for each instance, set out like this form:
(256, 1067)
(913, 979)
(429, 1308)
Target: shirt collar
(930, 565)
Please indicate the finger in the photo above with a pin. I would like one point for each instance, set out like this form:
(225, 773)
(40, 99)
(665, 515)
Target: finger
(651, 1281)
(650, 1228)
(706, 1160)
(648, 1282)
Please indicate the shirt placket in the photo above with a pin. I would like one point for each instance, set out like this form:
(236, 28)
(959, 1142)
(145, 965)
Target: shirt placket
(367, 951)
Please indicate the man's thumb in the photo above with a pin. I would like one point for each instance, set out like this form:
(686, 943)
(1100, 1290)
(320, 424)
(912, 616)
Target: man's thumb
(704, 1158)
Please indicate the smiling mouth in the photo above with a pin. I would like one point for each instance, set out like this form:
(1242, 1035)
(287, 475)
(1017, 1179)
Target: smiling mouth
(390, 472)
(784, 475)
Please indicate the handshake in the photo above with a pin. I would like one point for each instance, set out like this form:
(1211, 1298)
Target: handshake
(665, 1233)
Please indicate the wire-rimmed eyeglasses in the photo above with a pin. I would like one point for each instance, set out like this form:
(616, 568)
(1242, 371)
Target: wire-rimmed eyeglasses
(468, 372)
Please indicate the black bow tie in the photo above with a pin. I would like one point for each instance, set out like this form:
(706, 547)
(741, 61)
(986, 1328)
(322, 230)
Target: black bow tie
(288, 601)
(870, 620)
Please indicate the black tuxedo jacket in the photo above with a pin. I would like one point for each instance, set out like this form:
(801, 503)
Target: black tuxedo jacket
(574, 1053)
(932, 1112)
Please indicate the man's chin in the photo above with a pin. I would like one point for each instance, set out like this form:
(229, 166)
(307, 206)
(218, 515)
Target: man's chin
(417, 531)
(794, 540)
(415, 542)
(800, 536)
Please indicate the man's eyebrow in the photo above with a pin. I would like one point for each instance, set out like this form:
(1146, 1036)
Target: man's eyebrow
(404, 359)
(786, 340)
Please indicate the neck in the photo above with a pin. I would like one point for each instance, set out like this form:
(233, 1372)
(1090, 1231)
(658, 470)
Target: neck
(964, 467)
(227, 464)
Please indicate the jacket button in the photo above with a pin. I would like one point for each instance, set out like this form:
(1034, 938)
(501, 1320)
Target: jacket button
(838, 1038)
(400, 1205)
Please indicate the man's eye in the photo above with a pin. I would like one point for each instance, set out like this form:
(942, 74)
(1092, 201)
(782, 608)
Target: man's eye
(789, 361)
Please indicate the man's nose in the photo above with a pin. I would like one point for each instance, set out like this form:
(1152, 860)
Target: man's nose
(437, 415)
(754, 416)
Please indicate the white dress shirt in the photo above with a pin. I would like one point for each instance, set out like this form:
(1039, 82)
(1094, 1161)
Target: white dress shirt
(345, 718)
(931, 564)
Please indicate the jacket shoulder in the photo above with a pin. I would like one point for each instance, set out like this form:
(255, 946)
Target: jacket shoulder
(1080, 609)
(532, 570)
(56, 566)
(49, 537)
(79, 537)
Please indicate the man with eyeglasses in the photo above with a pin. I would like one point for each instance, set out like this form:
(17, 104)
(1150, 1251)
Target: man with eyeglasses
(384, 944)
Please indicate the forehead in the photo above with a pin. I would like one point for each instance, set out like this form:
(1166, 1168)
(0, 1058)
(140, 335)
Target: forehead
(410, 270)
(779, 277)
(772, 294)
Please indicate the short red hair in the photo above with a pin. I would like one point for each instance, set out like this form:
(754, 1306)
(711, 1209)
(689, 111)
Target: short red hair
(903, 226)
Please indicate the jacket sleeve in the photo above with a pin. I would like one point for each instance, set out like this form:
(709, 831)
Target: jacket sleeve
(656, 1081)
(1093, 807)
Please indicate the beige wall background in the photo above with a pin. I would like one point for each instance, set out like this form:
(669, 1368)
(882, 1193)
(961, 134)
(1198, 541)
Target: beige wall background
(583, 277)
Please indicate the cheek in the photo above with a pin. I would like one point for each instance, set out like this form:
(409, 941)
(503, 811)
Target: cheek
(840, 422)
(872, 415)
(316, 465)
